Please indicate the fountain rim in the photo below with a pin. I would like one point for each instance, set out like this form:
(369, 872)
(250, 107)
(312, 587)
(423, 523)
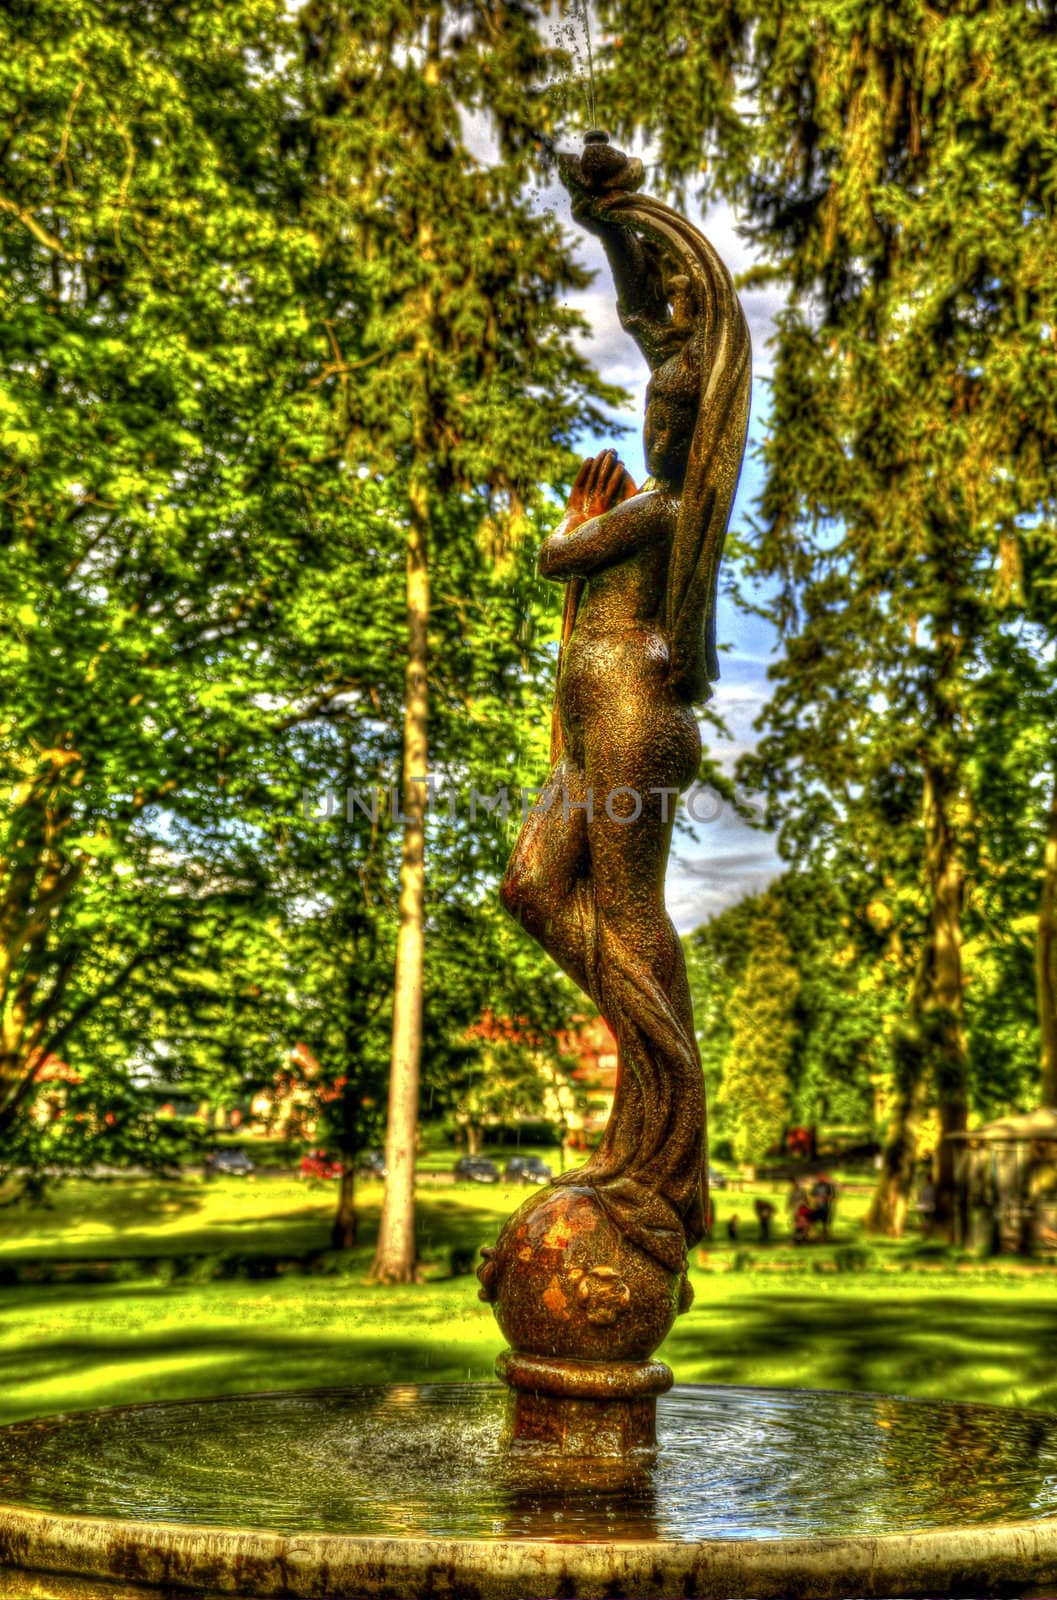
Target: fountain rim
(215, 1560)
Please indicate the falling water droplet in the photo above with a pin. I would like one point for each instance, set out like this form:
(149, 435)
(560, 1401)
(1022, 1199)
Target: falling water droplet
(592, 106)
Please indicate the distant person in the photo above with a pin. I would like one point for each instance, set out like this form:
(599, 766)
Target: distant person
(803, 1217)
(732, 1228)
(803, 1220)
(824, 1196)
(764, 1217)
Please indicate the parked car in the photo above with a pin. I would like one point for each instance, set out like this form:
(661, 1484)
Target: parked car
(527, 1169)
(228, 1164)
(372, 1164)
(318, 1164)
(716, 1180)
(477, 1169)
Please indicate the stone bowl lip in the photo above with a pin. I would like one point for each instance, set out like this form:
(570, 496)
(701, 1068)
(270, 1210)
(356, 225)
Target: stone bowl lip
(145, 1557)
(976, 1559)
(318, 1391)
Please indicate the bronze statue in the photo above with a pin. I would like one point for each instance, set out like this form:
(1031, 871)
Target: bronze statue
(593, 1270)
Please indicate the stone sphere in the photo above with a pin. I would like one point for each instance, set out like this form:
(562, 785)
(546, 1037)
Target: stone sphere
(565, 1281)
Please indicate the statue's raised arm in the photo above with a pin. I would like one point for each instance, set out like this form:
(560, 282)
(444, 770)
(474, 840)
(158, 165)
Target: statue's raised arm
(676, 299)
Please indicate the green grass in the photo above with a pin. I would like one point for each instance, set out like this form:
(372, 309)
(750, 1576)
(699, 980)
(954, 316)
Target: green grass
(941, 1328)
(286, 1215)
(129, 1217)
(271, 1211)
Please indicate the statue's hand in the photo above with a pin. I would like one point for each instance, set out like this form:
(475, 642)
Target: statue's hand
(601, 483)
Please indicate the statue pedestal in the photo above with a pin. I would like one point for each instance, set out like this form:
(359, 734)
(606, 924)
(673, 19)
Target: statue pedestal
(591, 1410)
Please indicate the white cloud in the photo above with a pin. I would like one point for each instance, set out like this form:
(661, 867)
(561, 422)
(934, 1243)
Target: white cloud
(737, 861)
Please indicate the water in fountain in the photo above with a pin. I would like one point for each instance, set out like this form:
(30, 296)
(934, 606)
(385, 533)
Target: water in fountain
(735, 1464)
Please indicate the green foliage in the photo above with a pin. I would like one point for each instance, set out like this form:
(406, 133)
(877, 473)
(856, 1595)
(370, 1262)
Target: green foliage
(850, 987)
(1011, 773)
(159, 427)
(231, 305)
(894, 168)
(716, 957)
(755, 1093)
(828, 993)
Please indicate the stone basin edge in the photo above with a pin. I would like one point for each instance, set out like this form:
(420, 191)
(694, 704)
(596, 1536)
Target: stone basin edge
(147, 1557)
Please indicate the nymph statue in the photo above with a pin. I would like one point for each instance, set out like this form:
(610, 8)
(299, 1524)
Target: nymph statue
(592, 1271)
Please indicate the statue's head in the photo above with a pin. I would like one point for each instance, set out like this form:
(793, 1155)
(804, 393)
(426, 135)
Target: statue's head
(672, 401)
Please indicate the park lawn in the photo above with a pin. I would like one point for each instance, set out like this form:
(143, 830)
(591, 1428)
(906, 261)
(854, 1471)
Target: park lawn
(778, 1316)
(941, 1335)
(121, 1217)
(84, 1219)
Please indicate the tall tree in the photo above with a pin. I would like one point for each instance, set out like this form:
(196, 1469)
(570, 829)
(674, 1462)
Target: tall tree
(756, 1090)
(160, 438)
(834, 1010)
(467, 333)
(1012, 927)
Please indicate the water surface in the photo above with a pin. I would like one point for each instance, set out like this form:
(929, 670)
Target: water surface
(426, 1460)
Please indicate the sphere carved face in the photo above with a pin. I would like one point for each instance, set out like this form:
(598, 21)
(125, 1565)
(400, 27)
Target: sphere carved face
(605, 1295)
(566, 1282)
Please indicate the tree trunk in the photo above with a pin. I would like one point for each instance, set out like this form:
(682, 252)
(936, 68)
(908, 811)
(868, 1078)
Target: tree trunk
(346, 1223)
(931, 1050)
(32, 891)
(946, 1001)
(888, 1208)
(395, 1258)
(1046, 962)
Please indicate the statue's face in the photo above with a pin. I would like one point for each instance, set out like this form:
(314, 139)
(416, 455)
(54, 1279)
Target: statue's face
(666, 440)
(671, 411)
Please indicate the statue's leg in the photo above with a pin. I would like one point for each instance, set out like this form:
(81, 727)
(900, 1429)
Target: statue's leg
(655, 1132)
(634, 939)
(544, 886)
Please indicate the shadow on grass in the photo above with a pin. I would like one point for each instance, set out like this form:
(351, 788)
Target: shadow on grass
(983, 1348)
(190, 1364)
(118, 1204)
(443, 1225)
(987, 1348)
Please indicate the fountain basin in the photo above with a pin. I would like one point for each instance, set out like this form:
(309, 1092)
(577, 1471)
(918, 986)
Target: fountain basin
(407, 1491)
